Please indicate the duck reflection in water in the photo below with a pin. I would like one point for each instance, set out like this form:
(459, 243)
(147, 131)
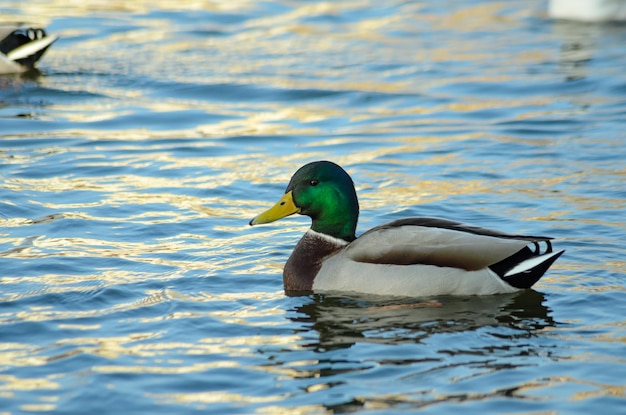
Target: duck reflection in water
(340, 322)
(427, 351)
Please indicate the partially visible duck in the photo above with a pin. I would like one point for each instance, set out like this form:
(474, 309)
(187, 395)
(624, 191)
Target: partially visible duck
(21, 47)
(407, 257)
(588, 10)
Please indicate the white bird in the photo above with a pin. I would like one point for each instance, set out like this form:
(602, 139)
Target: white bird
(588, 10)
(21, 47)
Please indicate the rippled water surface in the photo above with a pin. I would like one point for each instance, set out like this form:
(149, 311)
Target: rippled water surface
(131, 165)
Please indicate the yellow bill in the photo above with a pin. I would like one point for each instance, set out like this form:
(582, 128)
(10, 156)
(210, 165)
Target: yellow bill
(284, 207)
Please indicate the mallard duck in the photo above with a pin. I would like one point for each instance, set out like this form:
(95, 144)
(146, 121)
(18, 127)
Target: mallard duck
(22, 47)
(407, 257)
(588, 10)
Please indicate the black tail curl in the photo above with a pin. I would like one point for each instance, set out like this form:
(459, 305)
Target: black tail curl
(528, 277)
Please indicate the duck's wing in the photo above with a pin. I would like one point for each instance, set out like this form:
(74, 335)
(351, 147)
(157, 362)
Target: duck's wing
(440, 242)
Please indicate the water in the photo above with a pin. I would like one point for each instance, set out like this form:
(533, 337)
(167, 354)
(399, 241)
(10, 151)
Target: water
(131, 282)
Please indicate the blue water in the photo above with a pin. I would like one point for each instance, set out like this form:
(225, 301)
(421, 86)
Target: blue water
(131, 165)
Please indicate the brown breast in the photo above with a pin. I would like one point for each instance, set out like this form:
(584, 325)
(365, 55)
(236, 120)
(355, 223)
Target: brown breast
(306, 260)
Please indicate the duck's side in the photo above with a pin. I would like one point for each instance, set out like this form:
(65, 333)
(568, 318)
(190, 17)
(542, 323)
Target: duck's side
(21, 48)
(415, 257)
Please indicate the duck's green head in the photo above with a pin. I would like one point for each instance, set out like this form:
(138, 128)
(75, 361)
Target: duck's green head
(323, 191)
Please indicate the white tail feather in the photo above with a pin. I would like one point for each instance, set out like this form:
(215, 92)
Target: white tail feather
(530, 264)
(30, 48)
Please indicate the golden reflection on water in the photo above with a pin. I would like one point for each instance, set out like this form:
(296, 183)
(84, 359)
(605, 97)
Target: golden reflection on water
(49, 314)
(479, 17)
(11, 384)
(75, 8)
(20, 354)
(238, 347)
(263, 37)
(210, 397)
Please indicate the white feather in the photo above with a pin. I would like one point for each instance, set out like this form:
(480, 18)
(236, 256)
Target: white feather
(335, 241)
(30, 48)
(530, 264)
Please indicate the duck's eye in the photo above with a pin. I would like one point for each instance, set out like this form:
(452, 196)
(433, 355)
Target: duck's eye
(314, 182)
